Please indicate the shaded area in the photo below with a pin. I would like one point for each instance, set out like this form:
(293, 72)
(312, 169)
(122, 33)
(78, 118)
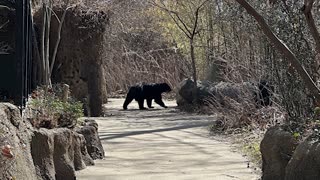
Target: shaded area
(110, 136)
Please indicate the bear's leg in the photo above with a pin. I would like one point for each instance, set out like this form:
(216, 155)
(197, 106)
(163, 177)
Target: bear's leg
(140, 102)
(149, 103)
(129, 98)
(159, 101)
(127, 102)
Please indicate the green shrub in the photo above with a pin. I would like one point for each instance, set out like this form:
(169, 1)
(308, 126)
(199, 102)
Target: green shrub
(48, 110)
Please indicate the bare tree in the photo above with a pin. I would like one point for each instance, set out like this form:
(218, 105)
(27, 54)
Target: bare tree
(137, 44)
(47, 64)
(284, 49)
(191, 29)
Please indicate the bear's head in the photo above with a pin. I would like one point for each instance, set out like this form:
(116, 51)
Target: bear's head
(165, 87)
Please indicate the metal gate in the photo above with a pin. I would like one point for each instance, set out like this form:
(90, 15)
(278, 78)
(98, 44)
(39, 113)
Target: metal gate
(16, 65)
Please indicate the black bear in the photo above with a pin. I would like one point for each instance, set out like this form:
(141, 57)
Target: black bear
(143, 91)
(264, 94)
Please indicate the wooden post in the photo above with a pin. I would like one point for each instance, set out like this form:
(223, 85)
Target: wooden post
(65, 92)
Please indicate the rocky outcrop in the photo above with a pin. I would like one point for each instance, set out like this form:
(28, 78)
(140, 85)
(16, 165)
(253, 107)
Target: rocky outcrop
(51, 154)
(57, 153)
(90, 132)
(42, 152)
(218, 94)
(186, 93)
(16, 133)
(305, 162)
(276, 148)
(79, 60)
(83, 156)
(213, 92)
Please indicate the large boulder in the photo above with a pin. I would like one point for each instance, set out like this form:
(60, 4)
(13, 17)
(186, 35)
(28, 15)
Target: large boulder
(186, 92)
(215, 93)
(276, 148)
(305, 162)
(57, 153)
(16, 133)
(90, 132)
(189, 93)
(219, 93)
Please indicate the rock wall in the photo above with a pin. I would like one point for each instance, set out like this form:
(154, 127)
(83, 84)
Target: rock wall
(79, 61)
(17, 133)
(90, 132)
(58, 153)
(48, 154)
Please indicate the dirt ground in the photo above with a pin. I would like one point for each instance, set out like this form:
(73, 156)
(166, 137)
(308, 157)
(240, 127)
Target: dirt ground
(162, 144)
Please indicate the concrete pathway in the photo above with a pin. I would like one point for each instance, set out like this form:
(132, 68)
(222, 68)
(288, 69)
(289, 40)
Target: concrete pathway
(162, 144)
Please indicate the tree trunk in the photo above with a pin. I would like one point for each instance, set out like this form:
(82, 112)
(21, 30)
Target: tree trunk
(47, 41)
(43, 56)
(193, 61)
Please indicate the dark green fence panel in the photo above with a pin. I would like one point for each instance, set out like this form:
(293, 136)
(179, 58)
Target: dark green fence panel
(15, 66)
(8, 83)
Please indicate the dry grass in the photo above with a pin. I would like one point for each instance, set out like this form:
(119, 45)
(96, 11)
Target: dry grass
(234, 116)
(244, 124)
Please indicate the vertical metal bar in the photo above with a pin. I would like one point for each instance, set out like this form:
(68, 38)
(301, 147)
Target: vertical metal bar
(23, 53)
(30, 49)
(26, 48)
(23, 58)
(19, 51)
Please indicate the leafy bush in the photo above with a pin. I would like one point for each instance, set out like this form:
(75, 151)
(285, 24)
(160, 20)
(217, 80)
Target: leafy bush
(47, 108)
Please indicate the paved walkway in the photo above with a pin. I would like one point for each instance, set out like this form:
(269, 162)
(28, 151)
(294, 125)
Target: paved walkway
(162, 144)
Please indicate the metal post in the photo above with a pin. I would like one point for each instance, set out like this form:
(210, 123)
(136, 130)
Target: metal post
(19, 26)
(23, 51)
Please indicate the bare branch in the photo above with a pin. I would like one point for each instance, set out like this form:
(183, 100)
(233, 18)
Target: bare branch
(292, 59)
(185, 28)
(307, 11)
(58, 37)
(195, 22)
(183, 23)
(55, 15)
(195, 26)
(2, 7)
